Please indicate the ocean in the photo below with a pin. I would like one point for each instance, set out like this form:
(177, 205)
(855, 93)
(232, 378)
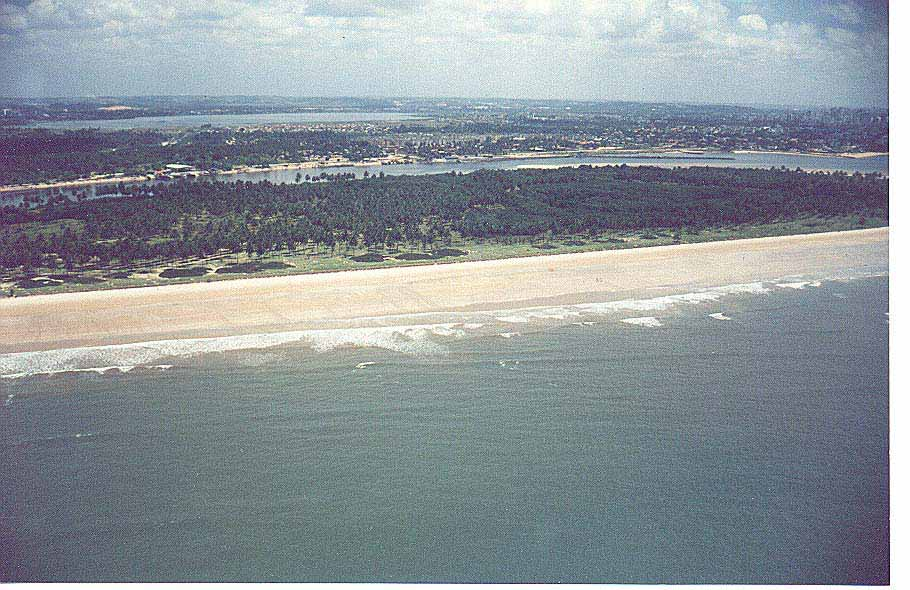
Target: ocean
(729, 435)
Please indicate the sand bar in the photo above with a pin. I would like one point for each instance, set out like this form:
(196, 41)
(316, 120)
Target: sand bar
(854, 155)
(274, 304)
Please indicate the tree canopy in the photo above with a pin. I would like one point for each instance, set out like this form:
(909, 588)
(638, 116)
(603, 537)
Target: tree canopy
(197, 218)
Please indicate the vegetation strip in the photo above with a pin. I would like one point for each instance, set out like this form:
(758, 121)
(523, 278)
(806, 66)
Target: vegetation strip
(198, 230)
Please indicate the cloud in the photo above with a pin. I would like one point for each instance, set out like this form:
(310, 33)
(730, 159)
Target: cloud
(558, 48)
(841, 36)
(341, 8)
(356, 8)
(753, 22)
(844, 12)
(12, 18)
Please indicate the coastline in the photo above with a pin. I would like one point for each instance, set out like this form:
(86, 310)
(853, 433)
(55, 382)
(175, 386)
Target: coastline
(12, 188)
(349, 299)
(854, 155)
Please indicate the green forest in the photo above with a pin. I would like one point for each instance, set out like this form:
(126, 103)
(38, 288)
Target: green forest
(36, 155)
(194, 219)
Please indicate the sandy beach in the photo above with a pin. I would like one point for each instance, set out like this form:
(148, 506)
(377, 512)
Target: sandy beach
(9, 188)
(246, 306)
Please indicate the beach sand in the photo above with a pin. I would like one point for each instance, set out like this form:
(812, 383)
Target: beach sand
(276, 304)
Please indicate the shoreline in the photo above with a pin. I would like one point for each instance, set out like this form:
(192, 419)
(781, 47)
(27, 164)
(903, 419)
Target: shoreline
(652, 153)
(853, 155)
(348, 299)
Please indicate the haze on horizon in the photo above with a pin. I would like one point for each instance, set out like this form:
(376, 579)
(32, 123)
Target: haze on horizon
(799, 52)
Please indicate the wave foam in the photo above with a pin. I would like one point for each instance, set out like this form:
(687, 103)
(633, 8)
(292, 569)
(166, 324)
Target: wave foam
(564, 312)
(523, 316)
(98, 370)
(126, 357)
(646, 322)
(406, 339)
(799, 285)
(409, 339)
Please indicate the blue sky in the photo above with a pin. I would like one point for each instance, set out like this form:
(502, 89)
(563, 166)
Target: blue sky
(801, 52)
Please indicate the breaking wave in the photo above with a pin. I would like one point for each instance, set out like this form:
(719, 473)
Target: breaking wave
(799, 284)
(646, 322)
(409, 339)
(126, 357)
(663, 303)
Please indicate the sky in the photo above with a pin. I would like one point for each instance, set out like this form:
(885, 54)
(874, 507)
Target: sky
(796, 52)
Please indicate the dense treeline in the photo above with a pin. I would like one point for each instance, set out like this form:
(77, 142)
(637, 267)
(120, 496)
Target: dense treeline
(199, 218)
(30, 155)
(38, 155)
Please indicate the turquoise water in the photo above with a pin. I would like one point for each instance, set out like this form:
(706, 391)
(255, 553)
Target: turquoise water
(753, 449)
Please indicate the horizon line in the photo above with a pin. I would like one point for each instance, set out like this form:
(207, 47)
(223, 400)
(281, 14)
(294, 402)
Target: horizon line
(461, 98)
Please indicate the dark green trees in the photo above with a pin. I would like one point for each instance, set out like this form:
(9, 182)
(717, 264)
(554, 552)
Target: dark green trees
(187, 219)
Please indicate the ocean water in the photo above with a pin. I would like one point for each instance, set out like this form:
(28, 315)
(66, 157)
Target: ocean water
(735, 434)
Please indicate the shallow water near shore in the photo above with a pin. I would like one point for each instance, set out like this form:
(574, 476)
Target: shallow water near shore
(742, 438)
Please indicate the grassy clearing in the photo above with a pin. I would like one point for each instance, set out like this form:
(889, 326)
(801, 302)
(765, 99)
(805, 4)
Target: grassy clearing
(309, 260)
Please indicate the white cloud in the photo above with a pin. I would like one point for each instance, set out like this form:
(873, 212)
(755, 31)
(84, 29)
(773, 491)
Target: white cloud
(753, 22)
(480, 47)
